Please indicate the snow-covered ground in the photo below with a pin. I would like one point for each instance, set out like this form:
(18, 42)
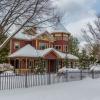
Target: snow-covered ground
(87, 89)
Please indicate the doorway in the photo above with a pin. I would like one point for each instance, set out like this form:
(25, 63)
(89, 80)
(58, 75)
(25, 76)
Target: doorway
(52, 66)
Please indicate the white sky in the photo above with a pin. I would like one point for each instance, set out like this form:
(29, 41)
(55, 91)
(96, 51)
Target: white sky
(77, 13)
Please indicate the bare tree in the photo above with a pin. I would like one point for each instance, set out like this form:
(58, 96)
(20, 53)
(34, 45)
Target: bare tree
(92, 37)
(18, 14)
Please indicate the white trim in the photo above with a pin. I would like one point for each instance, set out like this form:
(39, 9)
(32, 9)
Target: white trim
(17, 43)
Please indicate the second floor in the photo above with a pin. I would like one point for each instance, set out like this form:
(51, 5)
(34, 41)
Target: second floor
(42, 42)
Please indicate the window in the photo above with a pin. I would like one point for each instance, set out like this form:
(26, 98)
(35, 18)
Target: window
(17, 45)
(65, 38)
(30, 64)
(43, 45)
(58, 38)
(65, 48)
(58, 47)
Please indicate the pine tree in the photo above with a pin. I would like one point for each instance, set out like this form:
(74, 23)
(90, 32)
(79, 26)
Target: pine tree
(73, 47)
(84, 59)
(5, 51)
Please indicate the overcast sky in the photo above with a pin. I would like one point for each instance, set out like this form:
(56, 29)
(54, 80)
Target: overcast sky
(77, 13)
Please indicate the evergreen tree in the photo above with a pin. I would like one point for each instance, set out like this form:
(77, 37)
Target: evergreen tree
(5, 51)
(84, 59)
(73, 47)
(3, 55)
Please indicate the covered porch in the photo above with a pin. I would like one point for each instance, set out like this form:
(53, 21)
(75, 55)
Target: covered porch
(31, 65)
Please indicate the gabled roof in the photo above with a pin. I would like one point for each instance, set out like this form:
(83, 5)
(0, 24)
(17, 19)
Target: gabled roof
(22, 36)
(26, 51)
(37, 36)
(29, 51)
(46, 51)
(28, 37)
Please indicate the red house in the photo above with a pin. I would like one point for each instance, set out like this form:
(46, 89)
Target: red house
(52, 48)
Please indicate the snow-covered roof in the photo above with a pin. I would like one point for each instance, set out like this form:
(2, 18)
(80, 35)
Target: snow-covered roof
(70, 56)
(29, 37)
(29, 51)
(60, 28)
(23, 36)
(26, 51)
(46, 51)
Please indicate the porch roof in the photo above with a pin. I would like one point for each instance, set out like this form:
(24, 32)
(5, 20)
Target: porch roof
(72, 57)
(29, 51)
(26, 51)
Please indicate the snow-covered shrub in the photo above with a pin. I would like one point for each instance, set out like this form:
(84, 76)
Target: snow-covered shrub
(5, 67)
(64, 69)
(69, 72)
(95, 67)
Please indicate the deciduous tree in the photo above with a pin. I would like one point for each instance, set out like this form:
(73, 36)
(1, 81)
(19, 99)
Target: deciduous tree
(16, 15)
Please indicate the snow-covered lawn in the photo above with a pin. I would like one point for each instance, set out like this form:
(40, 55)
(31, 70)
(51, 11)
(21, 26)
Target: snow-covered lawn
(87, 89)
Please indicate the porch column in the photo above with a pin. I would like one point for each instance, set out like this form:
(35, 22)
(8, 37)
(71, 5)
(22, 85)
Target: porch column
(49, 66)
(20, 65)
(14, 65)
(14, 62)
(26, 63)
(57, 65)
(62, 63)
(32, 65)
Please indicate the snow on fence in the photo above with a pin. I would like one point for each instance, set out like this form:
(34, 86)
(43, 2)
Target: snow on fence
(10, 80)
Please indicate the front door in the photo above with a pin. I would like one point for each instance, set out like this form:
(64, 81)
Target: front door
(52, 66)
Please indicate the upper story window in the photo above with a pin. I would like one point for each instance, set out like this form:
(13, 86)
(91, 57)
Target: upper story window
(65, 38)
(58, 47)
(43, 45)
(16, 45)
(65, 48)
(58, 38)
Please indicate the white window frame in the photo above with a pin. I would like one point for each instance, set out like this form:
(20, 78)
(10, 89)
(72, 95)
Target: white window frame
(45, 45)
(16, 44)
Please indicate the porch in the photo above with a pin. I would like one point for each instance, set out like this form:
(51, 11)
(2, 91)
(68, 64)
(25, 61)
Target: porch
(32, 60)
(31, 65)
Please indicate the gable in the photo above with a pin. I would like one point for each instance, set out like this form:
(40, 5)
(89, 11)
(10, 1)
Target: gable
(51, 55)
(46, 37)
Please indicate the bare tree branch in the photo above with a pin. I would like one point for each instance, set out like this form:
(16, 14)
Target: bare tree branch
(94, 41)
(24, 13)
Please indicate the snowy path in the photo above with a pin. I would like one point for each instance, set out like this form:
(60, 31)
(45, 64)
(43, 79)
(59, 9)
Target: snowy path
(87, 89)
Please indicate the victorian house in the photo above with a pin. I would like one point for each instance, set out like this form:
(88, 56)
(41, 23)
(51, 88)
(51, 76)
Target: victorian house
(28, 47)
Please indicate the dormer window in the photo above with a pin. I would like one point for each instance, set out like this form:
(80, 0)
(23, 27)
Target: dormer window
(16, 45)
